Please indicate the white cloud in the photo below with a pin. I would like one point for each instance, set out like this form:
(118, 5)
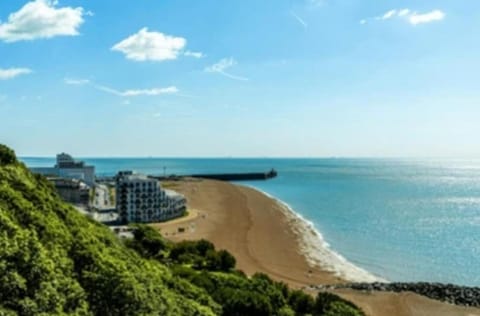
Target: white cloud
(41, 19)
(77, 82)
(404, 12)
(154, 91)
(410, 16)
(13, 72)
(194, 54)
(222, 66)
(389, 15)
(138, 92)
(156, 46)
(435, 15)
(123, 93)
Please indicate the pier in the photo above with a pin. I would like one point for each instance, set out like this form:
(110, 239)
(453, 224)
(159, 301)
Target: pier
(238, 176)
(247, 176)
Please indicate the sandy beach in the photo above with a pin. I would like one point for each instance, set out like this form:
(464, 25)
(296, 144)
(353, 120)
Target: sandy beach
(263, 238)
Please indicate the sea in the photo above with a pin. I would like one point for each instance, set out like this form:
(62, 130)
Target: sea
(372, 219)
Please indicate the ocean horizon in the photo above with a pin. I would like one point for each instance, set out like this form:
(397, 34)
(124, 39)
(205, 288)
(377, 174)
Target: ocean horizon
(395, 219)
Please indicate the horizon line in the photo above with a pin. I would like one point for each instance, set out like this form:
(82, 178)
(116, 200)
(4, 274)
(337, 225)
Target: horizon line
(260, 157)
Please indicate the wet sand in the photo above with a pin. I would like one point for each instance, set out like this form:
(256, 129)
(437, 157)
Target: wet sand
(256, 230)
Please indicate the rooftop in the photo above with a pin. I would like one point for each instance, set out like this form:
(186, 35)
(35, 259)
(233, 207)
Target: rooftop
(131, 176)
(174, 195)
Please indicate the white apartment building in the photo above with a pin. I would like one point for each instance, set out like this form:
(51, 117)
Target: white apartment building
(142, 200)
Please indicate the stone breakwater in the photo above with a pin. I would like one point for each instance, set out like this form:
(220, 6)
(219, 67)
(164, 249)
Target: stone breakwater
(454, 294)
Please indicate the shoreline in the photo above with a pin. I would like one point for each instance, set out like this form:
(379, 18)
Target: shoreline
(259, 232)
(317, 250)
(256, 228)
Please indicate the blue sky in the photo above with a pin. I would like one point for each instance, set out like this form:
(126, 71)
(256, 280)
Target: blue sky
(301, 78)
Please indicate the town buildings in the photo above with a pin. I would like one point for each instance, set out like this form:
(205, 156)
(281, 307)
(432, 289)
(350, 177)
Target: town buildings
(72, 190)
(141, 199)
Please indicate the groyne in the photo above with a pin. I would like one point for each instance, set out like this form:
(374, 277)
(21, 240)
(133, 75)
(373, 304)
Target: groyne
(450, 293)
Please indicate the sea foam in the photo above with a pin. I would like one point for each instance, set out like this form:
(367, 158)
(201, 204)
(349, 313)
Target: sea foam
(317, 251)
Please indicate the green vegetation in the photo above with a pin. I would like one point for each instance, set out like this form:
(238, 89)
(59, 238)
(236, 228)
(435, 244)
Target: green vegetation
(91, 195)
(169, 184)
(201, 264)
(7, 156)
(111, 194)
(55, 261)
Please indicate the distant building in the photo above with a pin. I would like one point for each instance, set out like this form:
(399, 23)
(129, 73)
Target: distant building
(141, 199)
(69, 168)
(65, 161)
(72, 190)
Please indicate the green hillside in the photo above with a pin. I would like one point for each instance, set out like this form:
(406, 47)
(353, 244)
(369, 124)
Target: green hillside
(55, 261)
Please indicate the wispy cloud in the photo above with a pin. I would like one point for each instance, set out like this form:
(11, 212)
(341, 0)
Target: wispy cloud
(388, 15)
(410, 16)
(148, 45)
(41, 19)
(154, 91)
(123, 93)
(194, 54)
(11, 73)
(76, 82)
(417, 18)
(138, 92)
(403, 12)
(299, 19)
(222, 66)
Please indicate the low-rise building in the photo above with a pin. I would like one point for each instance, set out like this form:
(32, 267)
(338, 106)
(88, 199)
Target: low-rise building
(141, 199)
(72, 190)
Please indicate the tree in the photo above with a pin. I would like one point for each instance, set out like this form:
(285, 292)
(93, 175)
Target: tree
(227, 261)
(148, 240)
(202, 246)
(301, 302)
(7, 156)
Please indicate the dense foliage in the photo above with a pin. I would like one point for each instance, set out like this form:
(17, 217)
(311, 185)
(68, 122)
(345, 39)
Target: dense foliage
(201, 264)
(55, 261)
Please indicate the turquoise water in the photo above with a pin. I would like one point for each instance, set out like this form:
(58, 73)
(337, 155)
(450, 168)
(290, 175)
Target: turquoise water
(401, 220)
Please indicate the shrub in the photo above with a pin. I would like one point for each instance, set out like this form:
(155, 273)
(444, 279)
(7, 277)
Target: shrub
(301, 302)
(148, 241)
(7, 156)
(227, 261)
(328, 304)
